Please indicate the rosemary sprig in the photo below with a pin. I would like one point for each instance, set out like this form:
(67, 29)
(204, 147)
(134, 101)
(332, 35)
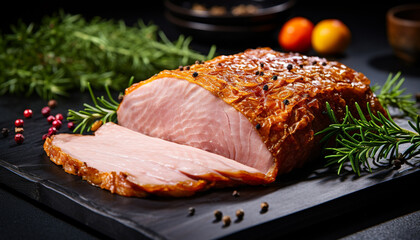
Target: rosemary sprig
(359, 140)
(104, 110)
(391, 95)
(64, 52)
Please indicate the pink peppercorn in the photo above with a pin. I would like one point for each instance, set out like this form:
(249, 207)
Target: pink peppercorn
(27, 113)
(45, 111)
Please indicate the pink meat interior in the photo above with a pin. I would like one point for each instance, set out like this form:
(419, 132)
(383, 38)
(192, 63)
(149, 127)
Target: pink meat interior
(151, 161)
(183, 112)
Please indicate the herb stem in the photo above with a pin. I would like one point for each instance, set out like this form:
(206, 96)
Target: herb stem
(391, 95)
(359, 140)
(104, 110)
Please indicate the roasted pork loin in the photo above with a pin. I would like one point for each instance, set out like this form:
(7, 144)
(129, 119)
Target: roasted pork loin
(238, 119)
(261, 107)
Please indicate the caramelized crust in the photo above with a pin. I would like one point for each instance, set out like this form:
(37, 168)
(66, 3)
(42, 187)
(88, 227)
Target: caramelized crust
(282, 94)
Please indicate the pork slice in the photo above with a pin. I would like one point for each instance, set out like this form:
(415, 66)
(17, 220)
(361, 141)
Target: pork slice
(133, 164)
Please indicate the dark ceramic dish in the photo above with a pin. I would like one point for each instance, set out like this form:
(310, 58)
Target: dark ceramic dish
(232, 20)
(403, 27)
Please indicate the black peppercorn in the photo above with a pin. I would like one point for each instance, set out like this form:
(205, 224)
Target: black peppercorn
(235, 193)
(274, 77)
(301, 65)
(289, 67)
(262, 65)
(324, 64)
(240, 214)
(257, 73)
(261, 73)
(181, 68)
(286, 102)
(187, 67)
(417, 97)
(258, 126)
(191, 211)
(52, 103)
(314, 62)
(397, 163)
(5, 132)
(195, 74)
(218, 215)
(226, 221)
(265, 87)
(264, 207)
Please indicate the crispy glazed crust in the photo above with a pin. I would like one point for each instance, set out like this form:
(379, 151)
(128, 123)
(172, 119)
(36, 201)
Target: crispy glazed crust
(284, 94)
(118, 182)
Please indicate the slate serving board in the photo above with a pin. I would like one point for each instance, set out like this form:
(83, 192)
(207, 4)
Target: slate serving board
(296, 200)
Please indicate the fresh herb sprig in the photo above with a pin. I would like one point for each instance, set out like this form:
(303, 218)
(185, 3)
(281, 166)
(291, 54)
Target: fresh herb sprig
(66, 52)
(392, 95)
(358, 140)
(104, 110)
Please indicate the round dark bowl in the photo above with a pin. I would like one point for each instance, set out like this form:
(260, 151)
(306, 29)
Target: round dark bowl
(403, 27)
(261, 23)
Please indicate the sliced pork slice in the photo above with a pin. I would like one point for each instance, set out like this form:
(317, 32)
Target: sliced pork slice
(133, 164)
(260, 108)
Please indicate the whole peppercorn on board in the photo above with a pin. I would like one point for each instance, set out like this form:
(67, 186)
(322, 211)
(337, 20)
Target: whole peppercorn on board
(296, 200)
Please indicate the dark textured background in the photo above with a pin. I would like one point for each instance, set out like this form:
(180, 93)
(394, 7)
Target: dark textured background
(396, 218)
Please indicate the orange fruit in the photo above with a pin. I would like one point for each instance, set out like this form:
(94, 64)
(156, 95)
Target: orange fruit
(330, 37)
(295, 35)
